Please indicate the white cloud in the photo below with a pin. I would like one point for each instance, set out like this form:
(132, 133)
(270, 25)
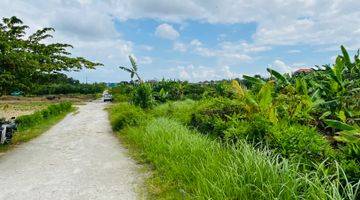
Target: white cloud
(294, 51)
(202, 73)
(312, 22)
(146, 47)
(226, 51)
(166, 31)
(195, 42)
(178, 46)
(243, 47)
(282, 67)
(145, 60)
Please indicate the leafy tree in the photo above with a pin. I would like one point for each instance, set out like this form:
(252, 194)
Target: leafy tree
(24, 58)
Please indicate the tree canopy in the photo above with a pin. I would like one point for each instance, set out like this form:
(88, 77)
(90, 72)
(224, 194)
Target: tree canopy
(25, 57)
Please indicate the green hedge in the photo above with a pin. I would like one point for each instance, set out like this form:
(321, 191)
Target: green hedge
(27, 121)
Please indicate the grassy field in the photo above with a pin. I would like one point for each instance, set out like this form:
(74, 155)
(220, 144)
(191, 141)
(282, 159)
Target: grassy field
(186, 164)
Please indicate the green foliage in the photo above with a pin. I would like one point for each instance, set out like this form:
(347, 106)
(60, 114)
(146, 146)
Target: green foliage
(300, 142)
(124, 114)
(338, 125)
(194, 167)
(165, 90)
(194, 91)
(213, 116)
(279, 77)
(179, 110)
(27, 121)
(24, 58)
(255, 130)
(142, 96)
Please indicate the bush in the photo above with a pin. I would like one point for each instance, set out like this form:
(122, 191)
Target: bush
(143, 96)
(27, 121)
(213, 116)
(124, 114)
(255, 130)
(179, 110)
(300, 142)
(194, 91)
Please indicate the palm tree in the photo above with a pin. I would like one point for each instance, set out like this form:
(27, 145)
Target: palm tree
(133, 70)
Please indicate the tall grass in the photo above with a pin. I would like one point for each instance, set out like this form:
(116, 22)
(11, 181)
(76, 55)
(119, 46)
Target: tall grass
(200, 168)
(179, 110)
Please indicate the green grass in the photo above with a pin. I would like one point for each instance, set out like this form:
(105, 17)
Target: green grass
(188, 165)
(25, 134)
(179, 110)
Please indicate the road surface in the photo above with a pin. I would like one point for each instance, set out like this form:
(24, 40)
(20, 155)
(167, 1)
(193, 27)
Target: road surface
(79, 158)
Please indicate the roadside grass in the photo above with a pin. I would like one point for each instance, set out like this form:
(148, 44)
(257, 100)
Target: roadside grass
(189, 165)
(30, 131)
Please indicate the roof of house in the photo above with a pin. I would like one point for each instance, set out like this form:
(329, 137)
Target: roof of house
(303, 70)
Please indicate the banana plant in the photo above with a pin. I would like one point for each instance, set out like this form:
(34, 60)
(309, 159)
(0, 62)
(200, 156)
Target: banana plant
(281, 78)
(350, 135)
(133, 70)
(260, 102)
(254, 80)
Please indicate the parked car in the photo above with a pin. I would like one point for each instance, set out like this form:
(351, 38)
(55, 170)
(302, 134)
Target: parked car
(107, 97)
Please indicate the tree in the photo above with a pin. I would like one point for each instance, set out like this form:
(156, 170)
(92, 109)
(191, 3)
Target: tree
(24, 58)
(133, 70)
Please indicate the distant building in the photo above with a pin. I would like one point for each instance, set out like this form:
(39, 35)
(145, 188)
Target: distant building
(303, 71)
(111, 85)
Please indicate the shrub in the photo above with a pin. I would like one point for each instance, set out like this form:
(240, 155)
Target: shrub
(194, 91)
(124, 114)
(254, 130)
(27, 121)
(179, 110)
(299, 142)
(213, 116)
(143, 96)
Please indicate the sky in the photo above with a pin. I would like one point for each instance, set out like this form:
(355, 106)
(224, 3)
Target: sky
(195, 40)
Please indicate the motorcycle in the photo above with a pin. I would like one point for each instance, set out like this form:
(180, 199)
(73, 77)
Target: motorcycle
(7, 129)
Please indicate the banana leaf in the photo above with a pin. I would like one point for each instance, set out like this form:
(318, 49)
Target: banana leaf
(278, 76)
(254, 80)
(339, 125)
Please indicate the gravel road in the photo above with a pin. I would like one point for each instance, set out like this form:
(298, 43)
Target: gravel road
(78, 158)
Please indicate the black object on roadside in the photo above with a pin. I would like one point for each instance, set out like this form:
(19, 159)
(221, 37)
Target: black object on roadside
(7, 129)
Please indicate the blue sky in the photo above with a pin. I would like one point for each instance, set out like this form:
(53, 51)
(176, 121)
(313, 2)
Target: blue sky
(195, 40)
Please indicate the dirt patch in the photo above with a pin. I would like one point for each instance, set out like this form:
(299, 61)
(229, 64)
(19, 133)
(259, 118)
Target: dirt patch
(16, 106)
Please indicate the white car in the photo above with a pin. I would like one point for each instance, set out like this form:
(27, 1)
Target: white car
(107, 97)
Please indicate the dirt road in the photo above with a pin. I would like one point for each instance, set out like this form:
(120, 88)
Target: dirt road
(78, 158)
